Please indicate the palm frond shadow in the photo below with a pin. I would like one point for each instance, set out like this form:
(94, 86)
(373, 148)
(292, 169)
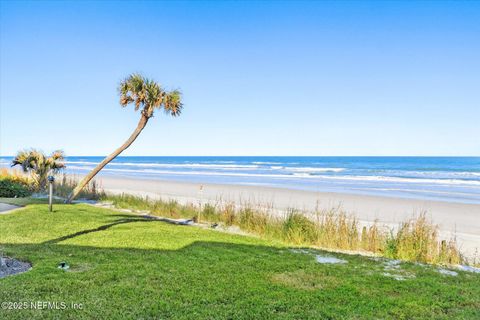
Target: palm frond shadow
(126, 219)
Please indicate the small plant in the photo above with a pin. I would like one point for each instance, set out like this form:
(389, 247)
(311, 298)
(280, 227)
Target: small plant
(18, 177)
(254, 221)
(209, 213)
(228, 215)
(11, 189)
(417, 240)
(298, 229)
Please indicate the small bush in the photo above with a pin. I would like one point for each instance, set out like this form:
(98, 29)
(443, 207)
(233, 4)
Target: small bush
(209, 213)
(417, 240)
(18, 177)
(298, 229)
(11, 189)
(253, 221)
(228, 215)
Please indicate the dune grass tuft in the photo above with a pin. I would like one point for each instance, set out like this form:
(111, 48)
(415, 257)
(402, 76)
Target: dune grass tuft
(65, 184)
(417, 240)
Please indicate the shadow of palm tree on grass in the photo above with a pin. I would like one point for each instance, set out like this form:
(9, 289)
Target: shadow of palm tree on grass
(127, 219)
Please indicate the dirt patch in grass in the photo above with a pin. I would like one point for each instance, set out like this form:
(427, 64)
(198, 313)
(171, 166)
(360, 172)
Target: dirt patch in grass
(303, 280)
(80, 267)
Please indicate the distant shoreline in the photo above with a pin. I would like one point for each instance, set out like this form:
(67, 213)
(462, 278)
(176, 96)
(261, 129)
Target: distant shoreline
(459, 219)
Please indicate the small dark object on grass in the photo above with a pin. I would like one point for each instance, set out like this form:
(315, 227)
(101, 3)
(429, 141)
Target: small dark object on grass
(63, 265)
(214, 225)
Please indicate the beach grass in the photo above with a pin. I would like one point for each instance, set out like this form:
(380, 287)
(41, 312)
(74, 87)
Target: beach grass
(64, 185)
(415, 240)
(127, 266)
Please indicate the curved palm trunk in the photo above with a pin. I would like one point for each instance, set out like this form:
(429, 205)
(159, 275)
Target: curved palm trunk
(141, 124)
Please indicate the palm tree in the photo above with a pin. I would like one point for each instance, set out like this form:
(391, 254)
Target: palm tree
(146, 95)
(39, 165)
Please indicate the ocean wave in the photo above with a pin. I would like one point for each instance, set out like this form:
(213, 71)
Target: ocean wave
(429, 191)
(312, 169)
(212, 166)
(302, 174)
(265, 162)
(297, 175)
(202, 173)
(463, 175)
(405, 180)
(171, 165)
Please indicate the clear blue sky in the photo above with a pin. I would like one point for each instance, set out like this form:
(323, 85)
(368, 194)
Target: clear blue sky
(259, 78)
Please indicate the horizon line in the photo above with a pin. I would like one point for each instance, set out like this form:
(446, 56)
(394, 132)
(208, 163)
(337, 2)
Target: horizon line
(283, 156)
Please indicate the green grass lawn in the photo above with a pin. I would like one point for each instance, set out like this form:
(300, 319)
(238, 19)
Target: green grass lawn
(124, 266)
(27, 200)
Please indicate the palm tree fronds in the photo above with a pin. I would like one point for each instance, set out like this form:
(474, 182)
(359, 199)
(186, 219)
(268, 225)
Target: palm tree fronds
(148, 95)
(39, 165)
(173, 103)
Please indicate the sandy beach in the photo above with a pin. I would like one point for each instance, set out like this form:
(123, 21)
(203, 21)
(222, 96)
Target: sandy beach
(458, 219)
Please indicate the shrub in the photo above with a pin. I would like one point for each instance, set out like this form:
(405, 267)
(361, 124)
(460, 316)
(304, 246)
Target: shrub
(298, 229)
(228, 214)
(11, 189)
(417, 240)
(253, 221)
(17, 177)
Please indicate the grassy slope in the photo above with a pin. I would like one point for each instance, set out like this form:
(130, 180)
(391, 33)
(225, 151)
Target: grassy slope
(125, 267)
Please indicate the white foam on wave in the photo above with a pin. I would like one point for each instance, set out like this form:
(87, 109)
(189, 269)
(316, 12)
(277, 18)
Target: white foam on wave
(430, 174)
(404, 180)
(256, 165)
(171, 165)
(299, 175)
(436, 177)
(302, 174)
(312, 170)
(265, 162)
(201, 173)
(426, 191)
(82, 162)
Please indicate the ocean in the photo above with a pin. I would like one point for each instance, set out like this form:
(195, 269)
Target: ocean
(454, 179)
